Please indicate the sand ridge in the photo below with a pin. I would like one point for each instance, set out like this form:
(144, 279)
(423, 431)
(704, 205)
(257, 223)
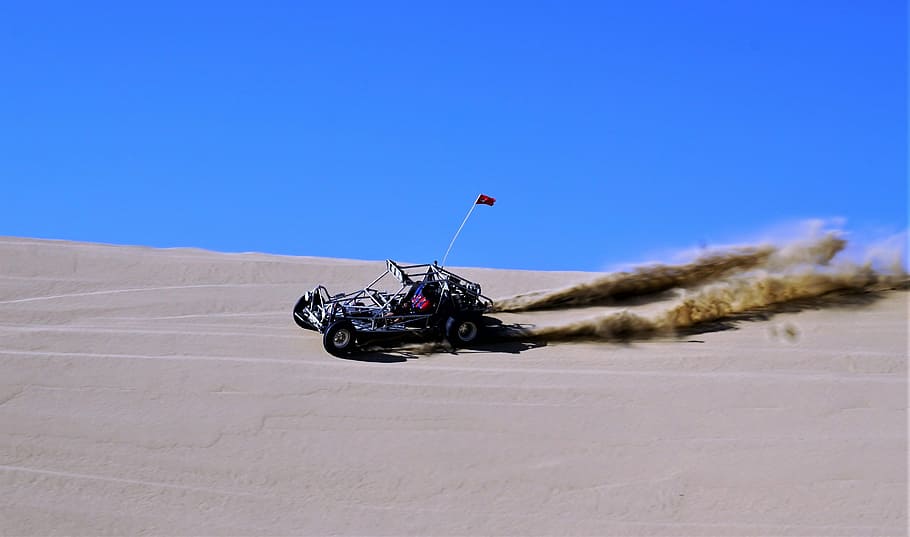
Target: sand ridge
(169, 392)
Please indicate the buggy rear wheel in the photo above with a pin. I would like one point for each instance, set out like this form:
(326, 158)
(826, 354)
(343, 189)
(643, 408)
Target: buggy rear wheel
(463, 331)
(340, 339)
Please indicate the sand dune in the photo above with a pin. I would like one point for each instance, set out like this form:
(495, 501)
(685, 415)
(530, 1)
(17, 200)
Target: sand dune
(169, 392)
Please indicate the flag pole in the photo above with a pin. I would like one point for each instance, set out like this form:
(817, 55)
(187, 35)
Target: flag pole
(473, 204)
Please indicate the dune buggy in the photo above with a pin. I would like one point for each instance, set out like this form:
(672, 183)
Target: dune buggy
(431, 304)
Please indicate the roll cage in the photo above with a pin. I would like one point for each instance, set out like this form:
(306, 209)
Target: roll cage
(371, 310)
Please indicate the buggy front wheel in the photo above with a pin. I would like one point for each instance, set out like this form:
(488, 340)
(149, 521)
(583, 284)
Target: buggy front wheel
(463, 331)
(340, 338)
(299, 308)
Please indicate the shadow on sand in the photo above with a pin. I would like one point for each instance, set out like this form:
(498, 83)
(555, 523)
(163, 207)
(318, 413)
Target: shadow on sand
(499, 338)
(492, 344)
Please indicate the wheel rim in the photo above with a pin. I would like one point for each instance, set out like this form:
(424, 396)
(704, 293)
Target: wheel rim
(342, 338)
(467, 331)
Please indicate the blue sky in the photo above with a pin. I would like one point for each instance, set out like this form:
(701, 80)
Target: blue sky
(606, 130)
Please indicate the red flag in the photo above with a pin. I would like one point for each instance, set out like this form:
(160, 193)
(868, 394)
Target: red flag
(485, 200)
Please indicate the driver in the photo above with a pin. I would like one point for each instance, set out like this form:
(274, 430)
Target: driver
(423, 297)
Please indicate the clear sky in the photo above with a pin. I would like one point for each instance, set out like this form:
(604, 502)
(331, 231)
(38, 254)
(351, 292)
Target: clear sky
(607, 130)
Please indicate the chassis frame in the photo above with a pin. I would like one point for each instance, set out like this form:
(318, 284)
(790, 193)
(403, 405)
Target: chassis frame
(351, 321)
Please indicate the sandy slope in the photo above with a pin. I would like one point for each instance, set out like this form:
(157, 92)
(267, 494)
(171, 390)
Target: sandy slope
(169, 392)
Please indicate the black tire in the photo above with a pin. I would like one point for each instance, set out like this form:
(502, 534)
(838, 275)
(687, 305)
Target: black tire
(463, 331)
(302, 323)
(340, 339)
(300, 306)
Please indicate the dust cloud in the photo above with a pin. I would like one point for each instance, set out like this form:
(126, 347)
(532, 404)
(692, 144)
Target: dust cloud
(725, 300)
(713, 288)
(652, 280)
